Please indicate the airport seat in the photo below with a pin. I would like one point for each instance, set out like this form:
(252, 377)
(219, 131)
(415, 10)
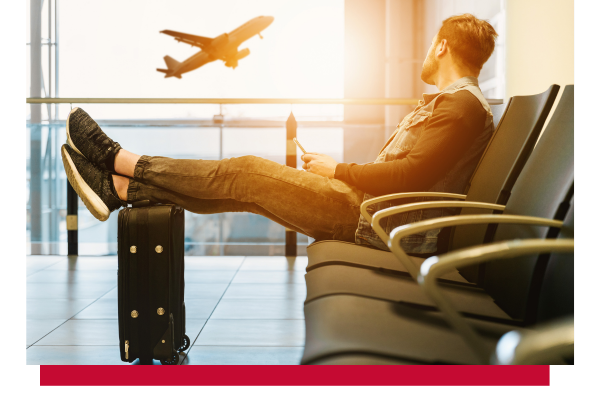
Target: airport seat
(551, 296)
(343, 324)
(544, 190)
(347, 329)
(518, 125)
(347, 325)
(550, 344)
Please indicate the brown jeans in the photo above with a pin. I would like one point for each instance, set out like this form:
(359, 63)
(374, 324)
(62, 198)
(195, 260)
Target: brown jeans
(318, 207)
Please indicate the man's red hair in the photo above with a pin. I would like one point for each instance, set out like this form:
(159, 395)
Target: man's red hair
(471, 40)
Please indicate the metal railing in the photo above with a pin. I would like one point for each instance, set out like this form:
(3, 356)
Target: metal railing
(123, 100)
(291, 128)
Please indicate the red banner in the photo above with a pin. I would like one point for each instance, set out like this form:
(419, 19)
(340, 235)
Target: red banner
(295, 375)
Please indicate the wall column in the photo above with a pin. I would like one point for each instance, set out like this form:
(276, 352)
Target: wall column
(35, 156)
(364, 77)
(400, 31)
(381, 39)
(540, 56)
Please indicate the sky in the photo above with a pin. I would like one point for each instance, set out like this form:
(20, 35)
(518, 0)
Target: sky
(111, 48)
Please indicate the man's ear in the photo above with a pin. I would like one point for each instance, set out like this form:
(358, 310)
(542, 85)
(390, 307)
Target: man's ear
(442, 48)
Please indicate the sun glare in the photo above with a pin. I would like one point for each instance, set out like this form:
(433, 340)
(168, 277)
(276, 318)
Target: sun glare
(300, 55)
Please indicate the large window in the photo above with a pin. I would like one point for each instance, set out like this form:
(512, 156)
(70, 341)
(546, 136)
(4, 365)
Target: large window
(111, 49)
(313, 49)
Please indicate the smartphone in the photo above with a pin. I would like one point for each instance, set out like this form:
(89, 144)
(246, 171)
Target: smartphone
(299, 145)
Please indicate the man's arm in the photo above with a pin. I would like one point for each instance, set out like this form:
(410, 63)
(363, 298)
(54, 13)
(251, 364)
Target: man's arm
(455, 123)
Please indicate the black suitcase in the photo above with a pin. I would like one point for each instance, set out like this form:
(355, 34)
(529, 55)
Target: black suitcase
(151, 283)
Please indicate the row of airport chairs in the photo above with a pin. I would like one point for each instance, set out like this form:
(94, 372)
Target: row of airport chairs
(500, 289)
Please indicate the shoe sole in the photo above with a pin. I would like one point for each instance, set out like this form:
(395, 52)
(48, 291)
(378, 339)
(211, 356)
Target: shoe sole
(69, 141)
(91, 200)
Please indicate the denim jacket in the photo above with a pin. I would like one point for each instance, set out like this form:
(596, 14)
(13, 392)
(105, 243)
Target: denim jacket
(398, 146)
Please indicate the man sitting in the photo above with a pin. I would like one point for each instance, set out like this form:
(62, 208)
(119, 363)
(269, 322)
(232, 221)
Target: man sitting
(434, 148)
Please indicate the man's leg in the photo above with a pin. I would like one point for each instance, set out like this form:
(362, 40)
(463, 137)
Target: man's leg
(320, 207)
(145, 191)
(316, 206)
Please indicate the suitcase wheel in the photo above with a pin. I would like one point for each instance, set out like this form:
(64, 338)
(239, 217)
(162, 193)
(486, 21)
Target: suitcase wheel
(186, 343)
(174, 360)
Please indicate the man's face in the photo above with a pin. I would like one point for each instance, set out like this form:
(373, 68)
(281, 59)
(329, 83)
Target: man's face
(431, 64)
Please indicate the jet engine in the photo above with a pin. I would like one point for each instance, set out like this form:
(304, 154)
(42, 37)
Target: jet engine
(220, 40)
(242, 53)
(233, 60)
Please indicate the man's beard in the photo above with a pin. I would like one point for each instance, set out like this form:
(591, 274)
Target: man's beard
(430, 67)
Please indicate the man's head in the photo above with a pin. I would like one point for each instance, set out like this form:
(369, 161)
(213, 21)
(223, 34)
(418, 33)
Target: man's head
(463, 43)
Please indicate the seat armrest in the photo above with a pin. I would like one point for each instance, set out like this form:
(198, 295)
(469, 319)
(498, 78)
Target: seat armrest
(437, 266)
(388, 212)
(396, 196)
(545, 345)
(405, 230)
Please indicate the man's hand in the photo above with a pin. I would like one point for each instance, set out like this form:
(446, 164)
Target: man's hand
(319, 164)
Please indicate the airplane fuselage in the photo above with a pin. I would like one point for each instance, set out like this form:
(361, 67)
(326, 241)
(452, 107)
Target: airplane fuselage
(223, 47)
(239, 35)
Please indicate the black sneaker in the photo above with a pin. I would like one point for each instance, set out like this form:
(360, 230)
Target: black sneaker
(86, 138)
(93, 185)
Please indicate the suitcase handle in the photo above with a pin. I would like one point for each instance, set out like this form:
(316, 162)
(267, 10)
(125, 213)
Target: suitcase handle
(142, 203)
(148, 203)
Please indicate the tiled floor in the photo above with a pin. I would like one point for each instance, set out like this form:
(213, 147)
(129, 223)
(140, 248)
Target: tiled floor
(240, 310)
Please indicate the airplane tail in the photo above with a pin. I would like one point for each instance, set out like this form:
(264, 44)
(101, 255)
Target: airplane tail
(171, 62)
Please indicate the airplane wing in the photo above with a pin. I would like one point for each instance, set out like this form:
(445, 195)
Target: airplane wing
(198, 41)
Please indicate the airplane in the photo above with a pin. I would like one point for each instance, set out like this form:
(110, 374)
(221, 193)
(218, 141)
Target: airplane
(223, 47)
